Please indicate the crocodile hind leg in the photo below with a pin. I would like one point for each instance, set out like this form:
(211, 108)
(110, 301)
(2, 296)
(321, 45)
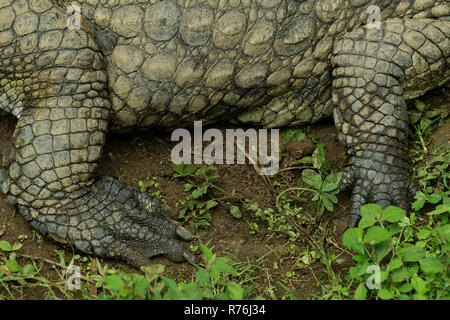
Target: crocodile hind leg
(50, 179)
(374, 70)
(49, 166)
(52, 159)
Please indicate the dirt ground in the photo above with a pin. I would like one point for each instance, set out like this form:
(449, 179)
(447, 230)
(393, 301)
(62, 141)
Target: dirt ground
(148, 155)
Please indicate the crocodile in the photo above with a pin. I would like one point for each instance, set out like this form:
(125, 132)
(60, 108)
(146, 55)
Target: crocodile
(72, 72)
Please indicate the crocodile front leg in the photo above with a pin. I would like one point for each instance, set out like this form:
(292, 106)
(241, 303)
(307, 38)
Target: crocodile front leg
(58, 141)
(373, 71)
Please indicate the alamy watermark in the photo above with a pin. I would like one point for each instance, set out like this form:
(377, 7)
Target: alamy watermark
(74, 281)
(74, 20)
(214, 153)
(374, 281)
(374, 19)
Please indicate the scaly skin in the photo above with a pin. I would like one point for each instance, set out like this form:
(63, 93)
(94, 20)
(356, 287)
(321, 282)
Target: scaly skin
(142, 64)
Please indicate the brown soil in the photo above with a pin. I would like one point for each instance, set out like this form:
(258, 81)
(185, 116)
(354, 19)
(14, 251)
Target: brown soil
(137, 157)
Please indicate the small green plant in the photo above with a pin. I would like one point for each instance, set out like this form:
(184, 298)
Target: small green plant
(411, 260)
(138, 141)
(279, 223)
(11, 270)
(198, 212)
(206, 174)
(16, 275)
(424, 115)
(217, 279)
(262, 214)
(198, 183)
(266, 215)
(6, 246)
(432, 173)
(144, 185)
(152, 183)
(118, 156)
(235, 212)
(119, 173)
(254, 228)
(39, 238)
(321, 188)
(22, 237)
(293, 134)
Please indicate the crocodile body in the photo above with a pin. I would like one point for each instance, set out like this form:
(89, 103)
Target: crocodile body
(163, 64)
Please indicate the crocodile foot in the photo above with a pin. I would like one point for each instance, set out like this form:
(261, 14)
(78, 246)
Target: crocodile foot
(112, 219)
(372, 76)
(378, 178)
